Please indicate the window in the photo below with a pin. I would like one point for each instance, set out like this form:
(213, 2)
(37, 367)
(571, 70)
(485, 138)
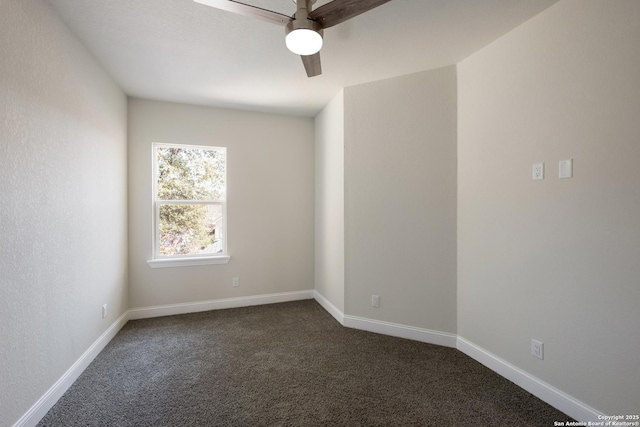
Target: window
(189, 205)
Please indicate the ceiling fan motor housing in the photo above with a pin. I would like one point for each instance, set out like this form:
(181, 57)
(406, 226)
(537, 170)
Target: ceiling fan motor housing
(300, 19)
(303, 24)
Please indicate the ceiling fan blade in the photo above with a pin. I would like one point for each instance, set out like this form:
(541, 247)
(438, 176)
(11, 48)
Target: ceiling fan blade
(340, 10)
(248, 10)
(312, 64)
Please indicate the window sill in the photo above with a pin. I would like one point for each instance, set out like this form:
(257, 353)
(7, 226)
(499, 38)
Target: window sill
(185, 262)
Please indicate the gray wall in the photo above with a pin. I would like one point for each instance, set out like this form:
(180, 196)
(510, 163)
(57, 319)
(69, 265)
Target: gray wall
(63, 212)
(400, 199)
(555, 260)
(329, 193)
(270, 202)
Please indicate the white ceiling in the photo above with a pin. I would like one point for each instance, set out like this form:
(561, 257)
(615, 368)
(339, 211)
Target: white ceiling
(182, 51)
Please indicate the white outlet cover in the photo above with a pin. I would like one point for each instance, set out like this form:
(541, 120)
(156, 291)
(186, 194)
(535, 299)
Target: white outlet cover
(537, 171)
(537, 349)
(375, 300)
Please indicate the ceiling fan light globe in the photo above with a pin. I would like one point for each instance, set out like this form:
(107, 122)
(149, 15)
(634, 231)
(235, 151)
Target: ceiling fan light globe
(303, 41)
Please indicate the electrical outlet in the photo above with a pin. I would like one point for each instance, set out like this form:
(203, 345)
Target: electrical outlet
(104, 311)
(537, 349)
(236, 282)
(537, 171)
(375, 300)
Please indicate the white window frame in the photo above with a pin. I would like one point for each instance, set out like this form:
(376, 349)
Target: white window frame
(184, 260)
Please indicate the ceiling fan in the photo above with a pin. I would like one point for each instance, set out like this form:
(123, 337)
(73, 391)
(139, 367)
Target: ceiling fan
(304, 29)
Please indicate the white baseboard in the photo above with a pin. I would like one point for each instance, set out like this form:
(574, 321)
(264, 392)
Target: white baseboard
(218, 304)
(46, 402)
(543, 391)
(387, 328)
(327, 305)
(401, 331)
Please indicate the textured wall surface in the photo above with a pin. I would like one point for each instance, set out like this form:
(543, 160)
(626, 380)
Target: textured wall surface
(63, 215)
(400, 199)
(557, 259)
(269, 202)
(329, 236)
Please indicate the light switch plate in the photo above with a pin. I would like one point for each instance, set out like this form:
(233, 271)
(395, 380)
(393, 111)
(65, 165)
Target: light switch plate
(565, 168)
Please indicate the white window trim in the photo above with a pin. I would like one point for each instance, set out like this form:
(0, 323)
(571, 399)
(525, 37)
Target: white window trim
(186, 260)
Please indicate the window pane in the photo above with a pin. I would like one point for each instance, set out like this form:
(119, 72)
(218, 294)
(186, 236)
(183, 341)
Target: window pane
(190, 173)
(190, 229)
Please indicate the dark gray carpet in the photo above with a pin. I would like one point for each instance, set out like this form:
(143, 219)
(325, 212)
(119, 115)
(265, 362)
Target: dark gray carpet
(285, 364)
